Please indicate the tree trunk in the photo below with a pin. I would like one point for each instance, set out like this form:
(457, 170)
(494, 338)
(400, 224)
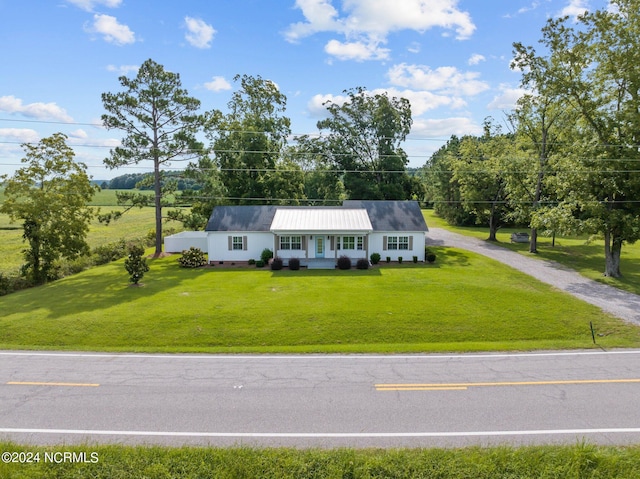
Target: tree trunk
(158, 205)
(494, 224)
(612, 250)
(533, 243)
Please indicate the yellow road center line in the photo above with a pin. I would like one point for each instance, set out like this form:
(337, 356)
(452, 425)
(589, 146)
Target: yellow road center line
(33, 383)
(455, 388)
(462, 386)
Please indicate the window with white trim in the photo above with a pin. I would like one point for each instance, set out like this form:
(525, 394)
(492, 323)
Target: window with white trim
(348, 242)
(360, 245)
(291, 242)
(403, 242)
(392, 242)
(237, 243)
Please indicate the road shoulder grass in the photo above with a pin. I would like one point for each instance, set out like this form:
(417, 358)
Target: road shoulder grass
(119, 462)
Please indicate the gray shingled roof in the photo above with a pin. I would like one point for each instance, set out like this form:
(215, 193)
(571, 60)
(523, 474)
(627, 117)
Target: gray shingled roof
(384, 216)
(391, 215)
(241, 218)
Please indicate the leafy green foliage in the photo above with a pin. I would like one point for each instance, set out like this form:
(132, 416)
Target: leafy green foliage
(375, 258)
(364, 139)
(249, 141)
(135, 264)
(192, 258)
(266, 255)
(50, 196)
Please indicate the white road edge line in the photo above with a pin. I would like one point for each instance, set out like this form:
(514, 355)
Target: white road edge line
(322, 435)
(317, 356)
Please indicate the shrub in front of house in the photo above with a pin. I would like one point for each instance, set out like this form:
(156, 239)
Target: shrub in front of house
(192, 258)
(251, 262)
(259, 264)
(431, 257)
(415, 259)
(277, 264)
(375, 258)
(400, 259)
(344, 262)
(362, 263)
(388, 259)
(294, 264)
(266, 255)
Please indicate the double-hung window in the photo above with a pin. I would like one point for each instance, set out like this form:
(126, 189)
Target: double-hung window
(237, 243)
(392, 242)
(403, 242)
(291, 242)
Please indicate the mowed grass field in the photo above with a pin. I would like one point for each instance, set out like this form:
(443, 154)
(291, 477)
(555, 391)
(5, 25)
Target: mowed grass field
(583, 254)
(463, 302)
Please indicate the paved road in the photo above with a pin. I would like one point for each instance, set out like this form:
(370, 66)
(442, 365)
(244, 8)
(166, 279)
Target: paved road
(612, 300)
(321, 401)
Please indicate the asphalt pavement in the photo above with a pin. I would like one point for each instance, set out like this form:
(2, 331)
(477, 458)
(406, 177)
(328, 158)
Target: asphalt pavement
(321, 401)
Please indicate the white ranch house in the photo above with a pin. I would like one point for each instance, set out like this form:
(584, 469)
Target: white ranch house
(317, 235)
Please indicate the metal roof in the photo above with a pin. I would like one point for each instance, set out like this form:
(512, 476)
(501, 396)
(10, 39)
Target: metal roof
(321, 219)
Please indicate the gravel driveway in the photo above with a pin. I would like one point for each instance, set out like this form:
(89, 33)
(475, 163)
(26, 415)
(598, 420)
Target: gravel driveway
(619, 303)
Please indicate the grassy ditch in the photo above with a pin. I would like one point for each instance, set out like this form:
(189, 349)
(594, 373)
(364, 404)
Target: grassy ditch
(119, 462)
(463, 302)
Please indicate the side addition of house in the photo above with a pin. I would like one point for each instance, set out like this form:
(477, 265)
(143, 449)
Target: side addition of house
(315, 235)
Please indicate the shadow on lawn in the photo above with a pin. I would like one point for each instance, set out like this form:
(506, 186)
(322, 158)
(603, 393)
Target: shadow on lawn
(100, 288)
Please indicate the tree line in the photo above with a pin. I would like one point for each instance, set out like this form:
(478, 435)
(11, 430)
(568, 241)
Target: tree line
(572, 161)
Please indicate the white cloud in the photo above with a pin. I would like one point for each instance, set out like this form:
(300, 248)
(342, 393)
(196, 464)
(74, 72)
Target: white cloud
(316, 107)
(444, 128)
(574, 8)
(200, 34)
(39, 111)
(23, 135)
(356, 51)
(476, 58)
(111, 30)
(507, 98)
(443, 79)
(369, 22)
(421, 101)
(123, 69)
(88, 5)
(218, 84)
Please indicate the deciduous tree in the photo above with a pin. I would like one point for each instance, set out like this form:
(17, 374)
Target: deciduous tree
(597, 74)
(365, 134)
(51, 196)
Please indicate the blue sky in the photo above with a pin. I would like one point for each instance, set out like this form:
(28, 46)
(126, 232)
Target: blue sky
(450, 58)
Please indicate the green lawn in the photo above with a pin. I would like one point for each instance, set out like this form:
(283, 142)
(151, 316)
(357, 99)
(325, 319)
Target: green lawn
(464, 302)
(583, 254)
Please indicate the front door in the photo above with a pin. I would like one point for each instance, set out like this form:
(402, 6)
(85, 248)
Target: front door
(319, 246)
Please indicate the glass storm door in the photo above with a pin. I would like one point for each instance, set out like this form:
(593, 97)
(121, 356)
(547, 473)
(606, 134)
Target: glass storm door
(319, 246)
